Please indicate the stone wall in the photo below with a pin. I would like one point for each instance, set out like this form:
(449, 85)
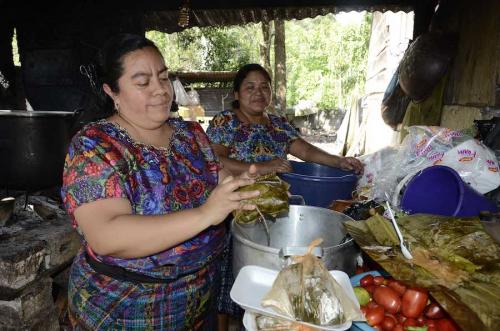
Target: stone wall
(34, 250)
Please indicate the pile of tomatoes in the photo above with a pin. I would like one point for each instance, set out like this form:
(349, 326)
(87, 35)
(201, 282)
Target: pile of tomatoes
(395, 307)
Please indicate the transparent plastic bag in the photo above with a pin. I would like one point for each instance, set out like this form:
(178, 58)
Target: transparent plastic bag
(181, 96)
(305, 291)
(193, 97)
(388, 170)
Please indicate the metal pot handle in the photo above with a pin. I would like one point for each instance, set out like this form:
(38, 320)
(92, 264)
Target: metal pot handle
(296, 199)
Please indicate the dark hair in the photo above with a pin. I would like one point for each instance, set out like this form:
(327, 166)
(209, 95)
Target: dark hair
(242, 74)
(109, 67)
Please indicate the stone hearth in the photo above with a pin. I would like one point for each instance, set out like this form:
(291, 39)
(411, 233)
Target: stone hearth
(37, 246)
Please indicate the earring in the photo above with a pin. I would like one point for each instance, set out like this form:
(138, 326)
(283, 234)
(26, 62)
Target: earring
(117, 107)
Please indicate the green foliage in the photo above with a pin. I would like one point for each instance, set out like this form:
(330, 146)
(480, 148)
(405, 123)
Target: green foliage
(210, 48)
(326, 60)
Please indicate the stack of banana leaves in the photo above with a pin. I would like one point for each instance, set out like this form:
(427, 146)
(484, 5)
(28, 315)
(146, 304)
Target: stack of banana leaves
(272, 201)
(454, 258)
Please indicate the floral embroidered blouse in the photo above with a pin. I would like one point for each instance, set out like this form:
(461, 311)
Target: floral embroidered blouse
(252, 142)
(105, 162)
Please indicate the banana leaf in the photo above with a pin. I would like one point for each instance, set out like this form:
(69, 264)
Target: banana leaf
(272, 201)
(454, 258)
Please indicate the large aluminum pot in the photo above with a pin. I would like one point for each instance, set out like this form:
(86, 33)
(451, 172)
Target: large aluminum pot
(33, 145)
(290, 235)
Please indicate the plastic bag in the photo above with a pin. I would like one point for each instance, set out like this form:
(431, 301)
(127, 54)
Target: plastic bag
(193, 97)
(476, 164)
(306, 291)
(388, 170)
(181, 96)
(272, 201)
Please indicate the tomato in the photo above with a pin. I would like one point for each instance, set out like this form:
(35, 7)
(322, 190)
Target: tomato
(414, 302)
(431, 325)
(363, 309)
(387, 298)
(401, 318)
(421, 320)
(371, 305)
(397, 286)
(398, 327)
(375, 316)
(366, 280)
(434, 311)
(446, 324)
(410, 322)
(379, 280)
(389, 322)
(377, 327)
(370, 288)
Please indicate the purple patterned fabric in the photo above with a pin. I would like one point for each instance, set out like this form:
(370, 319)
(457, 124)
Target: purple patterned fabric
(105, 162)
(252, 142)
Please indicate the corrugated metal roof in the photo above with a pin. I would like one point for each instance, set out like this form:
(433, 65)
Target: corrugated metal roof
(167, 20)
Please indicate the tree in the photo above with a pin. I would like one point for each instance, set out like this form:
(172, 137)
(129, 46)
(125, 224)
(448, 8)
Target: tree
(325, 60)
(210, 48)
(280, 66)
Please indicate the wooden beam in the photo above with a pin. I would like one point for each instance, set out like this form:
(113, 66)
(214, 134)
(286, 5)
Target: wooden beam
(473, 74)
(204, 76)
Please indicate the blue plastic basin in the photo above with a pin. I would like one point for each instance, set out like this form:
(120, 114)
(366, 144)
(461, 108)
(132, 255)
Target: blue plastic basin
(320, 185)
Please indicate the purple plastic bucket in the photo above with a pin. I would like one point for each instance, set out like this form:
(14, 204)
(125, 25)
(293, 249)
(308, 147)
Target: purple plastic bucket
(439, 190)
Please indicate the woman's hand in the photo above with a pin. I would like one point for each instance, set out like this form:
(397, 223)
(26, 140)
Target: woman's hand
(351, 164)
(224, 198)
(276, 165)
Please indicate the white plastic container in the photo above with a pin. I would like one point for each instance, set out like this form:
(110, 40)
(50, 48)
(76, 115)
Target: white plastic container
(253, 282)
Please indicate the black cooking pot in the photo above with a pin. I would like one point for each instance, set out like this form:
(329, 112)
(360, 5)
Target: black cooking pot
(33, 145)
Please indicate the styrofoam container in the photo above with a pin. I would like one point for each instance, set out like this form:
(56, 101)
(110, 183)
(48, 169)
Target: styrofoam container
(253, 283)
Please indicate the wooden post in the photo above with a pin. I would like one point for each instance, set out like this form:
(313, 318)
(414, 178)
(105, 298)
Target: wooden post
(265, 54)
(280, 66)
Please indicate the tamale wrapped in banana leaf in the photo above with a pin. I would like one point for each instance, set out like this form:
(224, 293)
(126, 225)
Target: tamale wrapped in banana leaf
(455, 258)
(272, 201)
(305, 291)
